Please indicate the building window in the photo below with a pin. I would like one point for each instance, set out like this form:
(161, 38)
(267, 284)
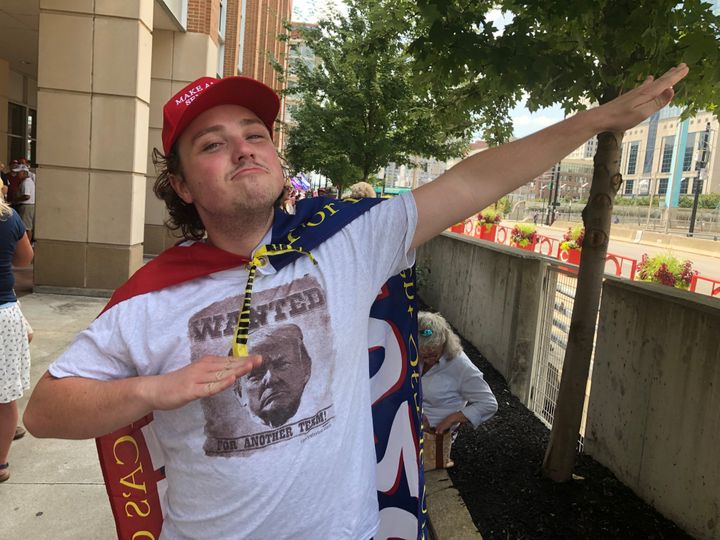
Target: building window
(591, 148)
(662, 186)
(22, 132)
(221, 18)
(667, 153)
(221, 39)
(629, 184)
(689, 147)
(684, 186)
(697, 186)
(632, 158)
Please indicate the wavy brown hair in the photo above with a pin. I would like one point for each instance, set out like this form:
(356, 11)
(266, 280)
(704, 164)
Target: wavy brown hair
(183, 216)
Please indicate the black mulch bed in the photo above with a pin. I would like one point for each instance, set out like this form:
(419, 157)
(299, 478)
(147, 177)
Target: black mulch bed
(498, 473)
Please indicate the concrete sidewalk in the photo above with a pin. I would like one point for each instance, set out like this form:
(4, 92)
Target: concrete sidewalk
(56, 489)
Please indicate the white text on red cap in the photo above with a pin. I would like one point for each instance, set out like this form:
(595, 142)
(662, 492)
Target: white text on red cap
(189, 96)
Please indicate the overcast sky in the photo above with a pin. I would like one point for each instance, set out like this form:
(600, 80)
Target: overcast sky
(524, 122)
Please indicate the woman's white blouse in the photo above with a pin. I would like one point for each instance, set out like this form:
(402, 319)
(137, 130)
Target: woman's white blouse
(457, 385)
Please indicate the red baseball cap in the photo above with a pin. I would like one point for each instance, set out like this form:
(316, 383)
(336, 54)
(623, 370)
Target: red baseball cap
(206, 93)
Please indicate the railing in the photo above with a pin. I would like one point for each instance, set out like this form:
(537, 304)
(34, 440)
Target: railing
(621, 265)
(548, 246)
(503, 235)
(618, 265)
(713, 285)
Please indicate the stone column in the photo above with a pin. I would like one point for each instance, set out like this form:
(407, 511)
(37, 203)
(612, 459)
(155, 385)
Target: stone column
(178, 59)
(4, 83)
(93, 110)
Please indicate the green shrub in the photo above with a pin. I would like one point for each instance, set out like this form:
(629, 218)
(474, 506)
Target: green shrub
(666, 269)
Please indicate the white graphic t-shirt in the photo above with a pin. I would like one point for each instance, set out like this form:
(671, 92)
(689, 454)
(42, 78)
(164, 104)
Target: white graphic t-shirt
(287, 452)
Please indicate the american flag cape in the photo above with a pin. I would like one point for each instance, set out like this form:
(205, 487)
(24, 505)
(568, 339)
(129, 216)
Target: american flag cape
(130, 458)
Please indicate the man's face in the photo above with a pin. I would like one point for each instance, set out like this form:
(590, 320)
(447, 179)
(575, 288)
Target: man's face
(275, 387)
(229, 165)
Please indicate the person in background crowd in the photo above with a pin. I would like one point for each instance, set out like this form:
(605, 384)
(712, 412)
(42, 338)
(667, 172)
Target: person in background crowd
(288, 199)
(361, 189)
(24, 201)
(5, 180)
(25, 162)
(454, 390)
(15, 249)
(14, 179)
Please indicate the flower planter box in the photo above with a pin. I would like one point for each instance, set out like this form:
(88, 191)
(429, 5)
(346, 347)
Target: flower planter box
(458, 228)
(486, 232)
(529, 247)
(571, 256)
(464, 227)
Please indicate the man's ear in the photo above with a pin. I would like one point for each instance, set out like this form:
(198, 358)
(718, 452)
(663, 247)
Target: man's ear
(180, 186)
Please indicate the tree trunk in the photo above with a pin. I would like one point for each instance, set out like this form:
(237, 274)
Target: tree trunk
(597, 216)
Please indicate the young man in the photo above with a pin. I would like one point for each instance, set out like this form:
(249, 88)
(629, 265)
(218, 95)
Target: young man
(165, 351)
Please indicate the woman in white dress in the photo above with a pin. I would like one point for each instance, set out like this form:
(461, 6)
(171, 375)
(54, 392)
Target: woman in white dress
(15, 249)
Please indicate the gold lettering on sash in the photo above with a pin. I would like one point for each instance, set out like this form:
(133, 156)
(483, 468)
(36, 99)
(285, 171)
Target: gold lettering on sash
(143, 534)
(412, 348)
(291, 238)
(330, 208)
(406, 286)
(125, 439)
(132, 484)
(320, 215)
(139, 513)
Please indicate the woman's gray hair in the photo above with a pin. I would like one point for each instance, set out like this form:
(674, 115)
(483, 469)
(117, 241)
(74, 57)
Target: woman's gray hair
(434, 331)
(362, 189)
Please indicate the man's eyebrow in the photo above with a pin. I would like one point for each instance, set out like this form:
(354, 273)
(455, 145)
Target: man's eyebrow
(209, 129)
(218, 127)
(249, 121)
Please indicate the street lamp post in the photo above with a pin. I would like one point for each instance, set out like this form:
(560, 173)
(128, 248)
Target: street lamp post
(553, 195)
(699, 181)
(700, 167)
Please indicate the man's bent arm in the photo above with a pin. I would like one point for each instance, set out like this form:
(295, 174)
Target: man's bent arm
(483, 178)
(82, 408)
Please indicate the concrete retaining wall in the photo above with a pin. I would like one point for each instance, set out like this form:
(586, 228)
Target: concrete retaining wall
(654, 414)
(491, 294)
(654, 411)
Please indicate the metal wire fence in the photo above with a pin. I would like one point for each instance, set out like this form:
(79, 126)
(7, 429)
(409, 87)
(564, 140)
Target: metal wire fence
(556, 312)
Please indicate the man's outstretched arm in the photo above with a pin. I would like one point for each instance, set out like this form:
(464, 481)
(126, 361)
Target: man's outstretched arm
(81, 408)
(481, 179)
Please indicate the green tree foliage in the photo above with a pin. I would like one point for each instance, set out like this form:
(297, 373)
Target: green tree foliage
(571, 52)
(361, 106)
(567, 52)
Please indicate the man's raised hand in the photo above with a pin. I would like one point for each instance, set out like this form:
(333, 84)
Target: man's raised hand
(631, 108)
(204, 378)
